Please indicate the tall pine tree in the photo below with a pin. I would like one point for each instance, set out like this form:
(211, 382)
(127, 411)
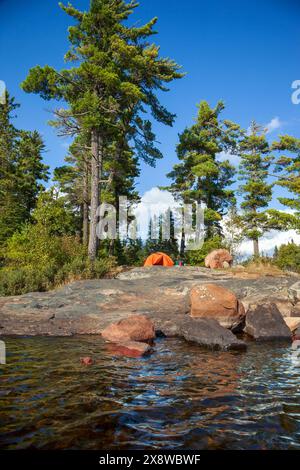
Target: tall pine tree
(201, 177)
(118, 71)
(22, 171)
(255, 189)
(287, 167)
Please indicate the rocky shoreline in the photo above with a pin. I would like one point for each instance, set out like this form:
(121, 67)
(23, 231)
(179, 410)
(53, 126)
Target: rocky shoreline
(164, 296)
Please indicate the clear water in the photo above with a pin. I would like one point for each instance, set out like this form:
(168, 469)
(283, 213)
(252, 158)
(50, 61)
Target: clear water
(181, 397)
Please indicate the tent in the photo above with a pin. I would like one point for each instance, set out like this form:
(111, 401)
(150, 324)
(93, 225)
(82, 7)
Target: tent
(158, 259)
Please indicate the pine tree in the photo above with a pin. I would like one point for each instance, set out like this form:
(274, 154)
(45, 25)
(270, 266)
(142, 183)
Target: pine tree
(161, 235)
(30, 169)
(22, 171)
(200, 177)
(255, 189)
(287, 167)
(10, 211)
(73, 180)
(118, 72)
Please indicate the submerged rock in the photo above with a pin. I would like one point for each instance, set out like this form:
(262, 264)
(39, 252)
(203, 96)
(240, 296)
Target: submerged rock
(129, 349)
(132, 328)
(209, 333)
(218, 259)
(87, 361)
(214, 301)
(265, 322)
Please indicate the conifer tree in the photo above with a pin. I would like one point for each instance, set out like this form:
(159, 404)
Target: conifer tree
(161, 235)
(9, 206)
(287, 167)
(31, 172)
(22, 171)
(200, 177)
(118, 74)
(255, 189)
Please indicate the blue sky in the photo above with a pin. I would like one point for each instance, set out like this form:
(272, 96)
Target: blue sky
(244, 52)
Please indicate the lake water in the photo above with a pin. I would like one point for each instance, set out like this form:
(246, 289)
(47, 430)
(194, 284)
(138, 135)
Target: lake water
(181, 397)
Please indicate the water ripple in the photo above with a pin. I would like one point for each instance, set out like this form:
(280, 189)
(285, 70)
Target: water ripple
(181, 397)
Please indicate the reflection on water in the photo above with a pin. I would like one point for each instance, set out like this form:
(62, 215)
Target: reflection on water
(181, 397)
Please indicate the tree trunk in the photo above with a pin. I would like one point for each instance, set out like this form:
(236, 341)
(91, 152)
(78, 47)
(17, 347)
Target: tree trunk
(182, 244)
(256, 248)
(85, 206)
(96, 174)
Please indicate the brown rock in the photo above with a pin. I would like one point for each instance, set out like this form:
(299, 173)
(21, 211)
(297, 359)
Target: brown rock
(132, 328)
(87, 361)
(214, 301)
(129, 349)
(218, 259)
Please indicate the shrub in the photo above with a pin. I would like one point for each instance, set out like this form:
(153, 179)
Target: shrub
(15, 281)
(197, 257)
(288, 257)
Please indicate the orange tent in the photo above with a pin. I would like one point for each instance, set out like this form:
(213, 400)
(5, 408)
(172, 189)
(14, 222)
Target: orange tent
(158, 259)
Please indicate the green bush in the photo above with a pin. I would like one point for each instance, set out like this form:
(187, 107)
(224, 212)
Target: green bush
(15, 281)
(197, 257)
(288, 257)
(46, 253)
(83, 268)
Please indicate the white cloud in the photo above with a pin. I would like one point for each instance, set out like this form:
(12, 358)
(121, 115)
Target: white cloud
(233, 159)
(153, 202)
(274, 124)
(269, 241)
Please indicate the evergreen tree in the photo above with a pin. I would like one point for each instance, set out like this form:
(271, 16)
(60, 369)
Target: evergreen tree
(30, 169)
(161, 235)
(200, 177)
(287, 167)
(73, 180)
(256, 191)
(233, 231)
(118, 71)
(21, 171)
(10, 211)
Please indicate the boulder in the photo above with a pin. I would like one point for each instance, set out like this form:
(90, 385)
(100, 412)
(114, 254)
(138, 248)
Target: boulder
(132, 328)
(209, 333)
(283, 304)
(219, 303)
(217, 258)
(265, 322)
(129, 349)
